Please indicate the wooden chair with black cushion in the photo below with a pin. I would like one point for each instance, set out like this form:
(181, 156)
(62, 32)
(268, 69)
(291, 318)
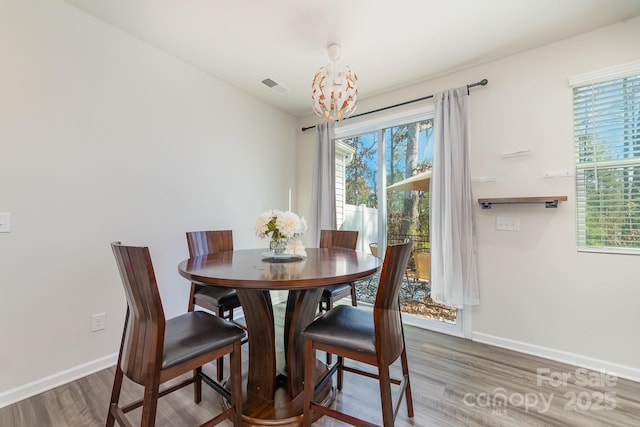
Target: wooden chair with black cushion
(374, 338)
(220, 300)
(154, 350)
(338, 239)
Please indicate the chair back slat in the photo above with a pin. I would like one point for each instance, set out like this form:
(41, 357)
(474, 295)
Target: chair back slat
(338, 239)
(387, 318)
(209, 242)
(146, 321)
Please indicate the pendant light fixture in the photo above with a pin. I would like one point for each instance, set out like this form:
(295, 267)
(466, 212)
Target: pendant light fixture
(334, 88)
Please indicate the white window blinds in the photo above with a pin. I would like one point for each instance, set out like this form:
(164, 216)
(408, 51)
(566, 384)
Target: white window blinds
(607, 156)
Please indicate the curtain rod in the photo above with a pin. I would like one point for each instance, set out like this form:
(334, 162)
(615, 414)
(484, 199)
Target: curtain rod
(482, 82)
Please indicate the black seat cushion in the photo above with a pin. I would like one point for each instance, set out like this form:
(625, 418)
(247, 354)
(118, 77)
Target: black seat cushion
(218, 295)
(336, 290)
(344, 326)
(194, 333)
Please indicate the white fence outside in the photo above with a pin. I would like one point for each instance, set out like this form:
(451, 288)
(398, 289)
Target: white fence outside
(365, 221)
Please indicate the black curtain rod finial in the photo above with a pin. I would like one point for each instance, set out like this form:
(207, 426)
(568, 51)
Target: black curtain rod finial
(482, 82)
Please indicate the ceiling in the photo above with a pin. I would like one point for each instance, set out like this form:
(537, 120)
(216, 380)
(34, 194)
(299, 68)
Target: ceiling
(389, 44)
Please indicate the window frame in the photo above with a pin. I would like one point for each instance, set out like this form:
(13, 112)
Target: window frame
(605, 75)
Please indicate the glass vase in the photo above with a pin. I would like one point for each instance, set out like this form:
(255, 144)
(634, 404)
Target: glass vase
(278, 246)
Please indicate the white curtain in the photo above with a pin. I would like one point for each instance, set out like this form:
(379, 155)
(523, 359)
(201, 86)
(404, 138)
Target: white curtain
(325, 190)
(454, 277)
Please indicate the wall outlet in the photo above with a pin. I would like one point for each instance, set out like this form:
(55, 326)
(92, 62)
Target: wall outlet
(98, 322)
(507, 223)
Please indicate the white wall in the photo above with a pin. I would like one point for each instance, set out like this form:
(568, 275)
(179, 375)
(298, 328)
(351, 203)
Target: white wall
(538, 294)
(105, 138)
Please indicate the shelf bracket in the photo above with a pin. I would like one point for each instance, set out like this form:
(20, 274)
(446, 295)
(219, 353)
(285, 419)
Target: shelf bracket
(486, 205)
(549, 201)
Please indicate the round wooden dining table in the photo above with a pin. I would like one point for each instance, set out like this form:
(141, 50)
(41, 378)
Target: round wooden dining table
(274, 390)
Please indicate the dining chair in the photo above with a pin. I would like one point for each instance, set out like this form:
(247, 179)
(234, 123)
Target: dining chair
(374, 338)
(338, 239)
(220, 300)
(155, 350)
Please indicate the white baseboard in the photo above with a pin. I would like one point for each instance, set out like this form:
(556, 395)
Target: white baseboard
(36, 387)
(25, 391)
(618, 370)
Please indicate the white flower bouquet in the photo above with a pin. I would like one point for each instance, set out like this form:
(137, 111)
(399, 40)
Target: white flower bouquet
(284, 230)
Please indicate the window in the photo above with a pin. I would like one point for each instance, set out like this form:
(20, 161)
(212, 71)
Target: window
(607, 156)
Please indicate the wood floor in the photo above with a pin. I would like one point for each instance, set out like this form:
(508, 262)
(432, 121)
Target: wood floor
(455, 382)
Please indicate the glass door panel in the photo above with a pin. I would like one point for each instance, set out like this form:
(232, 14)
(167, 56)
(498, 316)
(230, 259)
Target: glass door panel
(389, 204)
(408, 163)
(357, 191)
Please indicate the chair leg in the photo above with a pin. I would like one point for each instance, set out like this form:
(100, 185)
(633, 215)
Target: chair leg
(407, 390)
(354, 295)
(197, 385)
(115, 395)
(385, 395)
(309, 381)
(340, 372)
(329, 307)
(150, 404)
(236, 383)
(220, 361)
(117, 379)
(405, 372)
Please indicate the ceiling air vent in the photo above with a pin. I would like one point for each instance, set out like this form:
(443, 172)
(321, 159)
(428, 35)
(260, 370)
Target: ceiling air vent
(275, 86)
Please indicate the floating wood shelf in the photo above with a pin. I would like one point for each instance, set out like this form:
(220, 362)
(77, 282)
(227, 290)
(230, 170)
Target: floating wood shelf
(549, 201)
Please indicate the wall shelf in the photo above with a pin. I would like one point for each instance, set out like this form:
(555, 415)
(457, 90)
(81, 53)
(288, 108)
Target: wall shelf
(549, 201)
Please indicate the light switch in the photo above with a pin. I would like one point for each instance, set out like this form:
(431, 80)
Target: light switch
(5, 222)
(507, 223)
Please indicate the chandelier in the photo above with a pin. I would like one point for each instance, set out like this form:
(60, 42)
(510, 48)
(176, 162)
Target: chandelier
(334, 90)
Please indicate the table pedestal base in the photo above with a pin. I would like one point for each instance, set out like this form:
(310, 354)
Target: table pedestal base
(283, 411)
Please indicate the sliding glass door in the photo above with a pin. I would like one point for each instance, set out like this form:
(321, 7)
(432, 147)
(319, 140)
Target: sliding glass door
(382, 190)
